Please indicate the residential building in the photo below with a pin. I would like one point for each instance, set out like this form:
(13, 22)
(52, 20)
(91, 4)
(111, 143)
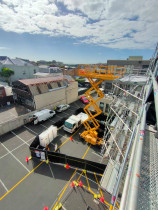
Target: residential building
(45, 92)
(22, 69)
(46, 71)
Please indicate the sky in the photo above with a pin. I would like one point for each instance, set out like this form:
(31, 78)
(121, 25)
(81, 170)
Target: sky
(78, 31)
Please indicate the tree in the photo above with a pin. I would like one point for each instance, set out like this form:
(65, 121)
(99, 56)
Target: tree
(6, 73)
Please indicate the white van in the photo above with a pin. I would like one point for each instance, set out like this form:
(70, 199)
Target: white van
(42, 116)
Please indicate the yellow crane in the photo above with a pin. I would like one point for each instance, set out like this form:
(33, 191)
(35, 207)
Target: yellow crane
(100, 73)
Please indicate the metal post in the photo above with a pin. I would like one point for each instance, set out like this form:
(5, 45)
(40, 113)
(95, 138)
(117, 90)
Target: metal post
(128, 176)
(122, 167)
(134, 185)
(155, 87)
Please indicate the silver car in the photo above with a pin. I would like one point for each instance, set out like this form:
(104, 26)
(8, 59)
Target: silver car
(62, 107)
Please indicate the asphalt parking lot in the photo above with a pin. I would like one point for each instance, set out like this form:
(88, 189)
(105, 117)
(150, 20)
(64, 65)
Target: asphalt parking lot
(36, 184)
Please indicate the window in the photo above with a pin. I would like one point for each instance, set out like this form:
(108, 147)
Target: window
(101, 106)
(39, 90)
(59, 85)
(49, 86)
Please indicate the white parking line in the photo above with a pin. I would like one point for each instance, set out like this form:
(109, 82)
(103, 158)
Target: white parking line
(63, 136)
(30, 130)
(52, 121)
(97, 154)
(77, 105)
(15, 157)
(58, 116)
(16, 148)
(44, 126)
(19, 138)
(4, 185)
(73, 108)
(66, 113)
(51, 170)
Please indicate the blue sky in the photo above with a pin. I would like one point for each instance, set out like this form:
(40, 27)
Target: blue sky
(75, 31)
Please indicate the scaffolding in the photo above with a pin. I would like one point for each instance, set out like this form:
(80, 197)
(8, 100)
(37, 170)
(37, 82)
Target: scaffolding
(140, 189)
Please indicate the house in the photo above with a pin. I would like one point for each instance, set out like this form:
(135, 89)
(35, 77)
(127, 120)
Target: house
(23, 69)
(46, 71)
(43, 92)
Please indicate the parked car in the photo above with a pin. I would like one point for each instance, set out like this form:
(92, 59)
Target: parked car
(62, 107)
(84, 100)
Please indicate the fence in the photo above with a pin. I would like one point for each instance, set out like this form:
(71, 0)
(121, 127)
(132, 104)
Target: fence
(55, 157)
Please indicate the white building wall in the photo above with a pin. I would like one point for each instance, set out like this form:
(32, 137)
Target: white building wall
(57, 97)
(72, 92)
(21, 72)
(53, 98)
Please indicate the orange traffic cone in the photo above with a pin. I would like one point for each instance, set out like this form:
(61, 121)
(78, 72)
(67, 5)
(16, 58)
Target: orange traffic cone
(71, 138)
(72, 184)
(102, 199)
(27, 159)
(45, 208)
(80, 184)
(67, 166)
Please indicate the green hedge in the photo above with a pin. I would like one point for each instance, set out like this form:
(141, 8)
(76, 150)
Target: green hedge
(80, 80)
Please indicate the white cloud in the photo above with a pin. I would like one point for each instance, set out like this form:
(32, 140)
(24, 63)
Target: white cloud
(4, 48)
(110, 23)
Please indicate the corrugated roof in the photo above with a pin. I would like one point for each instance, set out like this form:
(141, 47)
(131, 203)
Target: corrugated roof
(41, 80)
(18, 62)
(7, 61)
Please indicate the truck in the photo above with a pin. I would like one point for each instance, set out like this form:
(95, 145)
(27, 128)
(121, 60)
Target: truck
(74, 122)
(42, 116)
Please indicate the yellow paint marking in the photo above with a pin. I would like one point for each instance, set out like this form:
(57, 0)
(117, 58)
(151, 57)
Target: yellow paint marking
(67, 140)
(98, 184)
(87, 182)
(31, 171)
(21, 180)
(80, 176)
(69, 181)
(117, 204)
(64, 189)
(100, 189)
(86, 152)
